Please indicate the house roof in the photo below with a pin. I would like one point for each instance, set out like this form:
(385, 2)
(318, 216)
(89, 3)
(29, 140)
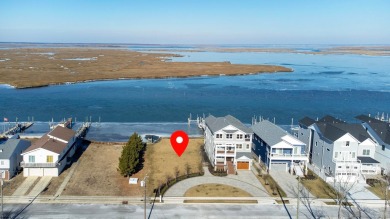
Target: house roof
(269, 132)
(382, 129)
(367, 159)
(50, 144)
(62, 133)
(243, 154)
(306, 121)
(334, 131)
(330, 119)
(12, 145)
(217, 123)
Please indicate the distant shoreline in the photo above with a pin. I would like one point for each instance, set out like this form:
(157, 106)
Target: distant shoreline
(40, 67)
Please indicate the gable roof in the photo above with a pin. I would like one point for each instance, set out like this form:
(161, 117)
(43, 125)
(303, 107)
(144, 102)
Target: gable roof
(306, 121)
(334, 131)
(330, 119)
(50, 144)
(62, 133)
(12, 145)
(269, 132)
(382, 129)
(217, 123)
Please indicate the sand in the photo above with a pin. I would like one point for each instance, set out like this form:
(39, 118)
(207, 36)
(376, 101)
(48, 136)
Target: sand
(35, 67)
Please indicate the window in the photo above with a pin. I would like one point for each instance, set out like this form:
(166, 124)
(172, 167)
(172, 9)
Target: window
(316, 144)
(247, 136)
(239, 136)
(239, 146)
(219, 136)
(355, 168)
(2, 162)
(339, 167)
(347, 143)
(336, 154)
(247, 146)
(353, 154)
(229, 136)
(347, 167)
(366, 152)
(49, 159)
(301, 133)
(31, 159)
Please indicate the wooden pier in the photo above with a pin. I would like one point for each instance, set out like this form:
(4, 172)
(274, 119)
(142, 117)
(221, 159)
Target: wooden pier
(83, 130)
(18, 128)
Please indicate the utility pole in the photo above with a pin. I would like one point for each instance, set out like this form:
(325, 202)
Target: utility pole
(143, 183)
(2, 182)
(299, 180)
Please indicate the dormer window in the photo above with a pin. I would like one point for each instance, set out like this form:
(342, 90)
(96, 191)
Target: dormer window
(229, 136)
(239, 136)
(347, 143)
(219, 136)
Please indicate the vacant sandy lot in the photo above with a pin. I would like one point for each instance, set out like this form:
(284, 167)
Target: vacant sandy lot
(97, 173)
(35, 67)
(162, 160)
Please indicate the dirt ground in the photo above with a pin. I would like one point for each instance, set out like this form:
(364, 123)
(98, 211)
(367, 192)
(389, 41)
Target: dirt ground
(97, 175)
(215, 190)
(34, 67)
(162, 160)
(11, 185)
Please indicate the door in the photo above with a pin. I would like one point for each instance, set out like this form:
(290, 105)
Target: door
(243, 165)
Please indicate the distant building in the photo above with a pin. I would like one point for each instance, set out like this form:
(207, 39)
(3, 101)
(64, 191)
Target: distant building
(380, 132)
(50, 154)
(344, 152)
(228, 143)
(275, 147)
(10, 157)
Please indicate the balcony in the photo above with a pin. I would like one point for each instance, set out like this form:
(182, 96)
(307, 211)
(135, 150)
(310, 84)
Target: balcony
(288, 156)
(39, 165)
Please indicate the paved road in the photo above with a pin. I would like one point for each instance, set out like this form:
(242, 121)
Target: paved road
(245, 180)
(170, 211)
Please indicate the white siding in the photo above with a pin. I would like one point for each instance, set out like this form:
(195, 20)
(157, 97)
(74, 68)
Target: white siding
(40, 156)
(5, 164)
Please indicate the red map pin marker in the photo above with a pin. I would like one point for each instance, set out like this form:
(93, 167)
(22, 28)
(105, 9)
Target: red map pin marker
(179, 141)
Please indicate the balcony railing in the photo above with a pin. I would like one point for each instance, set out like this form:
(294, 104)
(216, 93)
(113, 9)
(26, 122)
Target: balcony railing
(23, 164)
(288, 156)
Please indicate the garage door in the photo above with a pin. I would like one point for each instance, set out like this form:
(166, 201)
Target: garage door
(243, 165)
(282, 167)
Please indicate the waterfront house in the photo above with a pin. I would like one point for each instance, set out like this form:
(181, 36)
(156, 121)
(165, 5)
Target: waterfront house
(10, 157)
(50, 154)
(277, 148)
(342, 151)
(228, 143)
(380, 132)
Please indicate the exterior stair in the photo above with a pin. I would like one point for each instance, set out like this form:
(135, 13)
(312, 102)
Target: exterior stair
(230, 168)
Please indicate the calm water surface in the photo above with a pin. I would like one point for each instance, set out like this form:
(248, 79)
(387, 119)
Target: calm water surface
(340, 85)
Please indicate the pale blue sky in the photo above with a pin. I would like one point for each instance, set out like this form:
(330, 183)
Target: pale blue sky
(196, 22)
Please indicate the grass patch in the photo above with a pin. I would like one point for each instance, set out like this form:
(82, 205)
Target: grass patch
(10, 186)
(281, 202)
(223, 201)
(215, 190)
(318, 187)
(272, 187)
(164, 165)
(335, 203)
(378, 188)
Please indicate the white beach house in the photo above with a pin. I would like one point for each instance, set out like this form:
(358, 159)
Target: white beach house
(50, 154)
(228, 143)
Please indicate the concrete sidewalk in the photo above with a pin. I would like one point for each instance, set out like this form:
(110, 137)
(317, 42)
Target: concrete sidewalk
(25, 186)
(40, 186)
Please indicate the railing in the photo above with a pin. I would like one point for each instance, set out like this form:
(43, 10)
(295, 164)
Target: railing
(289, 155)
(23, 164)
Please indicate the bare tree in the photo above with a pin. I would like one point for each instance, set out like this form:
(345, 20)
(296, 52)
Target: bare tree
(187, 169)
(176, 172)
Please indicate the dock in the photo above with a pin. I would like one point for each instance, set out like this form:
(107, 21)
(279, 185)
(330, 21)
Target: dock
(83, 130)
(18, 128)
